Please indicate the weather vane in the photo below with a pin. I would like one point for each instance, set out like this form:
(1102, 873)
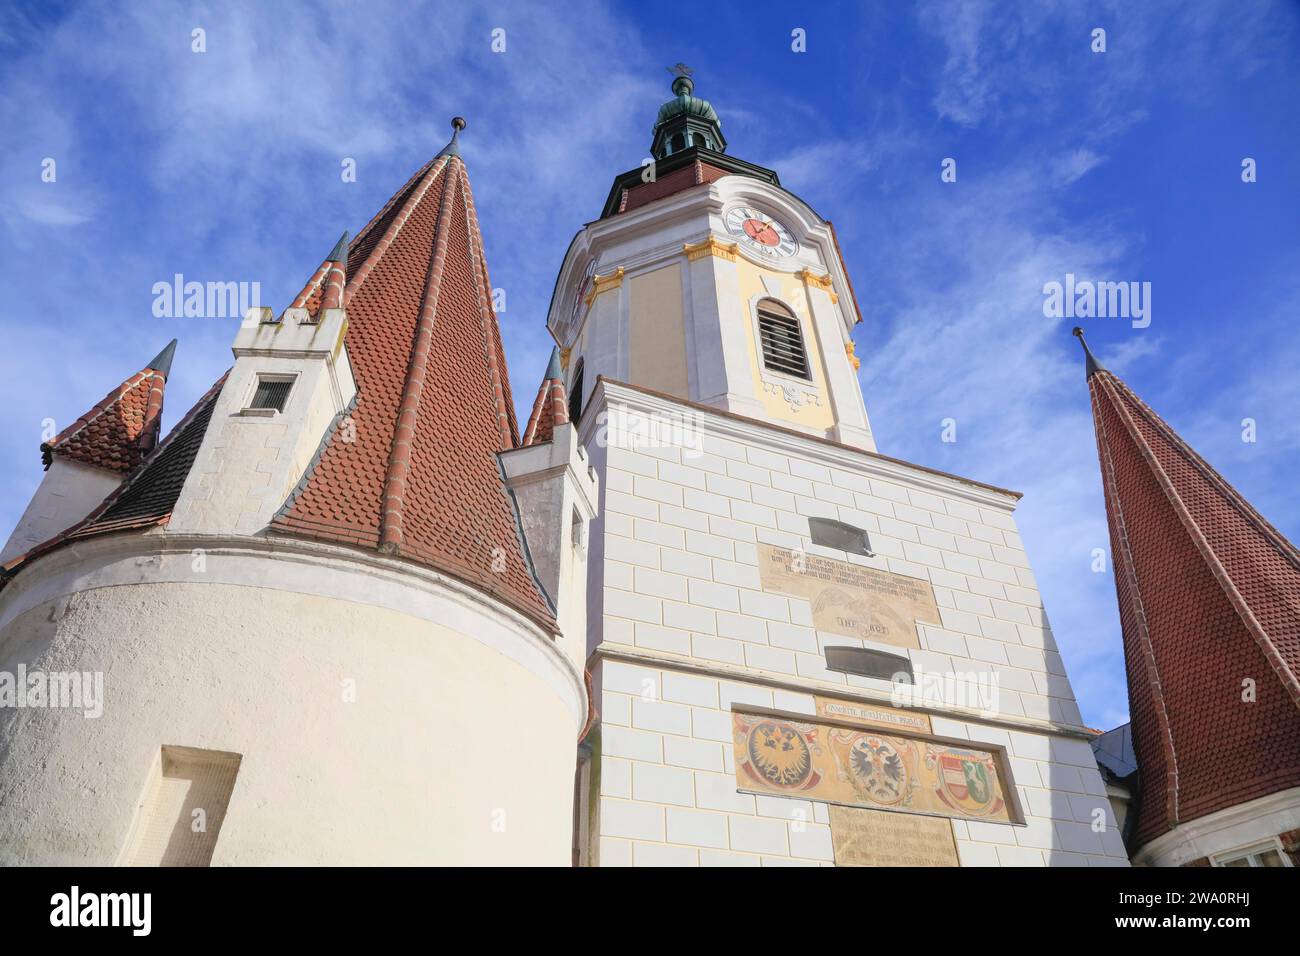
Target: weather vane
(680, 69)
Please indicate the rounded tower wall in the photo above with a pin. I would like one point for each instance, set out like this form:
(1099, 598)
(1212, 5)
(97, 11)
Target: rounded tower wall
(382, 713)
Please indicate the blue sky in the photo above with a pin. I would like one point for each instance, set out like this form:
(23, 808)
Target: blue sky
(1122, 166)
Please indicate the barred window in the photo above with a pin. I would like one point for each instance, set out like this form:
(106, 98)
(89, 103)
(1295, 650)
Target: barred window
(782, 340)
(271, 394)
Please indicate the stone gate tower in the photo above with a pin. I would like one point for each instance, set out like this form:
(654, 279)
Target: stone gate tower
(803, 651)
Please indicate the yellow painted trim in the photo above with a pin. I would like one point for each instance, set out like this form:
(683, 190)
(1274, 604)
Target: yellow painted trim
(564, 357)
(853, 359)
(710, 247)
(599, 284)
(821, 281)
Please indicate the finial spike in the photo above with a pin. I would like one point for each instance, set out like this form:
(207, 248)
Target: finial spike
(453, 147)
(340, 250)
(553, 370)
(162, 362)
(1093, 366)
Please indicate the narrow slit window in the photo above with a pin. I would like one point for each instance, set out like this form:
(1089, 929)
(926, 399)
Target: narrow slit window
(271, 394)
(575, 395)
(782, 340)
(866, 662)
(183, 807)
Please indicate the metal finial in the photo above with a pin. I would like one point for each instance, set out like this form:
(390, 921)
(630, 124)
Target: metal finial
(1093, 365)
(682, 82)
(162, 362)
(340, 251)
(453, 147)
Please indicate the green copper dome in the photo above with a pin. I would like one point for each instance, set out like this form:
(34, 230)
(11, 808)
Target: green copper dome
(686, 121)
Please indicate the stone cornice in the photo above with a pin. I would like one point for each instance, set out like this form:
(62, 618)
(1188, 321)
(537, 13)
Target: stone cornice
(599, 284)
(295, 565)
(807, 685)
(748, 431)
(711, 246)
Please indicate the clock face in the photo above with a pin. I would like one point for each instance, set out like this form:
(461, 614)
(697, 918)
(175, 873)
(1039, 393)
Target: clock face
(760, 232)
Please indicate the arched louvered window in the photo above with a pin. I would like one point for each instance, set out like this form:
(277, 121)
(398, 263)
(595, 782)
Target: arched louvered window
(781, 340)
(575, 394)
(678, 143)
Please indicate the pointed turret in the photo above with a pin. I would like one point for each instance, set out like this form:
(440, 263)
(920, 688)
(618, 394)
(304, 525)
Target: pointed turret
(120, 430)
(324, 290)
(88, 460)
(416, 472)
(551, 407)
(1209, 602)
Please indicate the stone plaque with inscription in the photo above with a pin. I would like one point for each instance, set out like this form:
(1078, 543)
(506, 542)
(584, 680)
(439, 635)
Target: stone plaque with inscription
(864, 837)
(851, 599)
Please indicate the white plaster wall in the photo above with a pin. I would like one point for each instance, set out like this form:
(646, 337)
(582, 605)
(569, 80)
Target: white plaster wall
(67, 493)
(248, 464)
(459, 747)
(680, 585)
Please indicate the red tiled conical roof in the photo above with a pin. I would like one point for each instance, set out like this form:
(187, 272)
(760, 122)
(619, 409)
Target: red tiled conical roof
(1209, 600)
(420, 477)
(118, 432)
(551, 407)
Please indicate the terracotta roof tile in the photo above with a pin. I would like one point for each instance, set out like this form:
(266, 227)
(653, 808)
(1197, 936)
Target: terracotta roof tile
(120, 430)
(551, 407)
(145, 498)
(422, 479)
(1209, 595)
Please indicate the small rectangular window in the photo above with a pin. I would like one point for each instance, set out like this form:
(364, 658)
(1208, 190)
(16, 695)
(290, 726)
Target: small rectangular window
(866, 662)
(1261, 855)
(183, 807)
(271, 394)
(838, 535)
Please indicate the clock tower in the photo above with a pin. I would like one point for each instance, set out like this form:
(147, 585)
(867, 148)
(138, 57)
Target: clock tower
(801, 652)
(707, 281)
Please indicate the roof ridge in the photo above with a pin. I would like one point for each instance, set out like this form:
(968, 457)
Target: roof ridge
(366, 229)
(399, 458)
(1149, 664)
(1207, 471)
(429, 175)
(1193, 528)
(493, 349)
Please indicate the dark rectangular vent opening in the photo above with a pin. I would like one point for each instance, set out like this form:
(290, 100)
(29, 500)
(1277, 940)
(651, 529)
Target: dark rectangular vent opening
(783, 349)
(575, 395)
(866, 662)
(271, 394)
(838, 535)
